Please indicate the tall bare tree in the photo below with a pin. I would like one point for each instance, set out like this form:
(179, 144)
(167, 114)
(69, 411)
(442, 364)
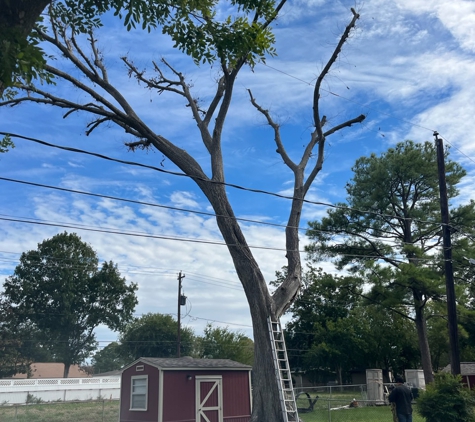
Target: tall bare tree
(232, 44)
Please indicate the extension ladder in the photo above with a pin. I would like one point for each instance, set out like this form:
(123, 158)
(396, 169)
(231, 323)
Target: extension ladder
(282, 371)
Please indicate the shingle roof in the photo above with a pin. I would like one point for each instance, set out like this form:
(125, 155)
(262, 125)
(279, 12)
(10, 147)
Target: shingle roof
(466, 368)
(187, 362)
(52, 370)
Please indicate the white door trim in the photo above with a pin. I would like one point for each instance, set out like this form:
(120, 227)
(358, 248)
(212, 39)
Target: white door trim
(200, 409)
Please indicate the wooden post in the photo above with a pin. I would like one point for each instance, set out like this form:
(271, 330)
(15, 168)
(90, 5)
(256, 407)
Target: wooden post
(449, 273)
(178, 340)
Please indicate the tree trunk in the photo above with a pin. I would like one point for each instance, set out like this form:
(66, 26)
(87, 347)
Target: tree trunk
(17, 19)
(339, 372)
(266, 397)
(21, 14)
(421, 327)
(66, 370)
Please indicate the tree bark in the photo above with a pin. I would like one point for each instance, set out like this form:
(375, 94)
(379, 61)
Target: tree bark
(66, 370)
(21, 15)
(265, 383)
(266, 397)
(421, 328)
(17, 18)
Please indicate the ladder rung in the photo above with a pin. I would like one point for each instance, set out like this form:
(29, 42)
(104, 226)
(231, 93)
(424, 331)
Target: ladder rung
(281, 364)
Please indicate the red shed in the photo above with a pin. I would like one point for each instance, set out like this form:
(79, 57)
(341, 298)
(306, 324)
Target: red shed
(185, 390)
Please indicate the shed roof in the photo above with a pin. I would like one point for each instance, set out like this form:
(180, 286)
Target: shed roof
(466, 368)
(188, 362)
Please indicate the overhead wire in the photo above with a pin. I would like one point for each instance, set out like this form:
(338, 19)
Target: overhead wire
(409, 122)
(386, 239)
(260, 191)
(135, 234)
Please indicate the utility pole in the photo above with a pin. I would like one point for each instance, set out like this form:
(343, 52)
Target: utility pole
(178, 340)
(449, 272)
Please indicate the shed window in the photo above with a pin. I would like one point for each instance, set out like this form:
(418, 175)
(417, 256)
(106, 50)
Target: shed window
(138, 393)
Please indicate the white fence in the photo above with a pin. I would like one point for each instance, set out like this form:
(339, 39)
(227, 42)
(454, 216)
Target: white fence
(59, 389)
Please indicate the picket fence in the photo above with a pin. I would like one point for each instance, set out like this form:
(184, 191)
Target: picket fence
(19, 391)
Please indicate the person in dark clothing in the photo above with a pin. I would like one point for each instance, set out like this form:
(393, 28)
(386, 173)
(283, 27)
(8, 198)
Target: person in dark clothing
(402, 397)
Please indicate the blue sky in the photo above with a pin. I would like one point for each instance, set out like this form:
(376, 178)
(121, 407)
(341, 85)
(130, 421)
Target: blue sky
(409, 66)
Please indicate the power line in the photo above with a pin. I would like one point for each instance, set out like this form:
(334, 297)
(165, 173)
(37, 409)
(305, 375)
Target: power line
(150, 204)
(136, 234)
(325, 204)
(133, 163)
(369, 108)
(192, 211)
(349, 99)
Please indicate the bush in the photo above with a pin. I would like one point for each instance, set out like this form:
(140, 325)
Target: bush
(446, 400)
(31, 399)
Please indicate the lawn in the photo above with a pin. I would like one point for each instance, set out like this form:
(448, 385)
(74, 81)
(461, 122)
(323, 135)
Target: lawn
(338, 400)
(360, 414)
(108, 411)
(92, 411)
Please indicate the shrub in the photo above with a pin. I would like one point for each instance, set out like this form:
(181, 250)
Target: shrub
(446, 400)
(32, 399)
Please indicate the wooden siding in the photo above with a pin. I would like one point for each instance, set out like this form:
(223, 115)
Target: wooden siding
(149, 415)
(236, 396)
(179, 396)
(469, 381)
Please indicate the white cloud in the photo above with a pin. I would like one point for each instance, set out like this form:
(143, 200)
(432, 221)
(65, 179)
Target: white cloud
(408, 66)
(184, 199)
(458, 16)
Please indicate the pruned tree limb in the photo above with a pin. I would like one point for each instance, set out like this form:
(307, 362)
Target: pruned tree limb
(326, 69)
(280, 146)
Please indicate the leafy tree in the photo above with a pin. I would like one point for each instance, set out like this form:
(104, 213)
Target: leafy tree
(155, 335)
(5, 144)
(19, 344)
(243, 38)
(60, 290)
(188, 23)
(19, 54)
(446, 400)
(110, 358)
(222, 343)
(389, 228)
(333, 328)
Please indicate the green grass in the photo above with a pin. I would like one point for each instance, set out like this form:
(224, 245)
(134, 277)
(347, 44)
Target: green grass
(359, 414)
(92, 411)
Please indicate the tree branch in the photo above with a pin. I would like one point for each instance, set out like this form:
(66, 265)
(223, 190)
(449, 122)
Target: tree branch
(280, 146)
(326, 69)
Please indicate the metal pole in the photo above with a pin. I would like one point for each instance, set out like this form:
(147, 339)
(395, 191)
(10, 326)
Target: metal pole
(449, 272)
(178, 341)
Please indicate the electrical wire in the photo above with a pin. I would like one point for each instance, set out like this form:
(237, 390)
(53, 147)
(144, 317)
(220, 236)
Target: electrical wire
(260, 191)
(135, 234)
(387, 239)
(371, 108)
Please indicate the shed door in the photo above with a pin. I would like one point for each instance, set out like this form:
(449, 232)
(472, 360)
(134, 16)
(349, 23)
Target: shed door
(209, 399)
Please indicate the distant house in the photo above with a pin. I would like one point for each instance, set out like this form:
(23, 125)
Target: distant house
(185, 389)
(52, 370)
(467, 370)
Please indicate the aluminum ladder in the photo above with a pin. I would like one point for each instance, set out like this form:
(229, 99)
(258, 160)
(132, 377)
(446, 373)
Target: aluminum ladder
(282, 372)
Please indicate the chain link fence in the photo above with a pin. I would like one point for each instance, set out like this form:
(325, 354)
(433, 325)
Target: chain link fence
(343, 403)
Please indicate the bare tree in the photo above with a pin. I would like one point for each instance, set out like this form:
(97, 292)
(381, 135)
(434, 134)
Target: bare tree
(107, 104)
